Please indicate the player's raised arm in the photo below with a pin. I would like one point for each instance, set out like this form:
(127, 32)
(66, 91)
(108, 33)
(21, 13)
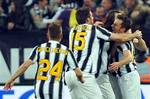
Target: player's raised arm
(22, 68)
(140, 44)
(123, 37)
(18, 73)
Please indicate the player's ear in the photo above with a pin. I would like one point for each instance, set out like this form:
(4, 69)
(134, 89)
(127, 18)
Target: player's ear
(123, 29)
(88, 20)
(48, 34)
(61, 36)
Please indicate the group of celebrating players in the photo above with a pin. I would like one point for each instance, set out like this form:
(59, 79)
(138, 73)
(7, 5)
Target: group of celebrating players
(99, 64)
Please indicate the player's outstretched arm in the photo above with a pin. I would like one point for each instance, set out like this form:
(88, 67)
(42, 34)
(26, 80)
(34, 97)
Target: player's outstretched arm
(79, 75)
(18, 73)
(123, 37)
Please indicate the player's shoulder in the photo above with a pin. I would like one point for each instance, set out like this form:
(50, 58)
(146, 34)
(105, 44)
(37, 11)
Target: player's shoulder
(43, 44)
(64, 47)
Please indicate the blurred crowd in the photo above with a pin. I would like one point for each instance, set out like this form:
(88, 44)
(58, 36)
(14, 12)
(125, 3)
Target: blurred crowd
(29, 15)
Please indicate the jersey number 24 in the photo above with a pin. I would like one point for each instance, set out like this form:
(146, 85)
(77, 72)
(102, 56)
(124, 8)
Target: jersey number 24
(56, 70)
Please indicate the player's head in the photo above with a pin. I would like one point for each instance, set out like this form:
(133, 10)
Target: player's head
(54, 32)
(42, 3)
(84, 15)
(121, 24)
(110, 19)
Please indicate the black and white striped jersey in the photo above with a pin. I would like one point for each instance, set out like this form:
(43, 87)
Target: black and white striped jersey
(51, 58)
(84, 42)
(104, 56)
(131, 66)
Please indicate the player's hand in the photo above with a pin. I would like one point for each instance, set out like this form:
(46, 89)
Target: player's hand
(138, 34)
(98, 23)
(135, 40)
(8, 85)
(114, 66)
(79, 75)
(80, 78)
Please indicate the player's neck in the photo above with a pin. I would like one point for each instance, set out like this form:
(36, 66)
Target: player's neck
(58, 40)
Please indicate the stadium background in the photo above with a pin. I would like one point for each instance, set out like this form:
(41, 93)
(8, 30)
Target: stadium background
(16, 44)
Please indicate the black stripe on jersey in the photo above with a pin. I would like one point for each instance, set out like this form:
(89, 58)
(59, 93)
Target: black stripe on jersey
(91, 69)
(73, 40)
(116, 56)
(41, 93)
(51, 85)
(65, 62)
(111, 44)
(92, 37)
(128, 46)
(73, 58)
(68, 66)
(99, 62)
(60, 89)
(79, 52)
(119, 72)
(33, 54)
(117, 59)
(128, 68)
(38, 59)
(64, 67)
(120, 49)
(103, 31)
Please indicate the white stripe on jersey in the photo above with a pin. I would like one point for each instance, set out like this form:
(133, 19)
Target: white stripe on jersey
(87, 36)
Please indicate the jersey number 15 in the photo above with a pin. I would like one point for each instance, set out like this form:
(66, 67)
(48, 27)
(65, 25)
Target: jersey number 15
(79, 36)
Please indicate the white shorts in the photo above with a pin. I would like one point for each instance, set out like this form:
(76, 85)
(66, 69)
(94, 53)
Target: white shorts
(87, 90)
(114, 83)
(105, 86)
(130, 85)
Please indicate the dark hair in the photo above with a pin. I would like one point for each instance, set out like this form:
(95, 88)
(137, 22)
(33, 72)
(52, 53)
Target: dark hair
(40, 0)
(110, 19)
(126, 22)
(54, 31)
(82, 14)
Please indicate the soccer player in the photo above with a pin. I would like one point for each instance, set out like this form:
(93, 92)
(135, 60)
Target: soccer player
(108, 84)
(124, 65)
(51, 58)
(85, 45)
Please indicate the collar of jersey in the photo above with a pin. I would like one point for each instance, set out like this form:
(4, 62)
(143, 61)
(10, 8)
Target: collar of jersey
(53, 41)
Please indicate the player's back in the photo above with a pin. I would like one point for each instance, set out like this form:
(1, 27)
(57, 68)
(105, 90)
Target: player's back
(85, 45)
(51, 58)
(82, 42)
